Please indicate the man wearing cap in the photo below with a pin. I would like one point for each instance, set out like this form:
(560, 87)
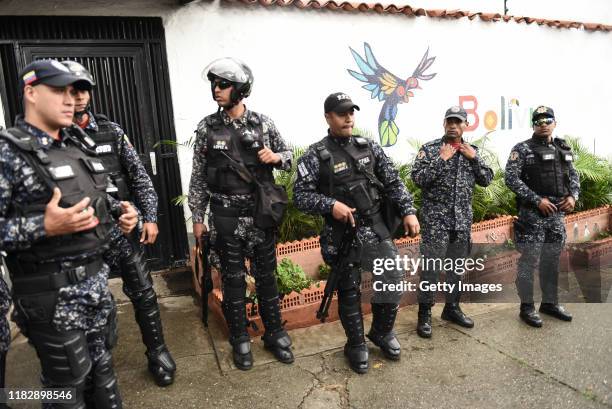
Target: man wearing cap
(345, 179)
(126, 257)
(55, 216)
(446, 170)
(233, 147)
(541, 174)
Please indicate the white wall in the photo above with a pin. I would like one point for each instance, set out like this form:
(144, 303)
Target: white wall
(299, 57)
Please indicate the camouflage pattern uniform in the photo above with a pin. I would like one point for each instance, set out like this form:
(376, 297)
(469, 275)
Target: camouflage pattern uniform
(367, 244)
(538, 237)
(125, 256)
(84, 307)
(234, 236)
(5, 329)
(446, 211)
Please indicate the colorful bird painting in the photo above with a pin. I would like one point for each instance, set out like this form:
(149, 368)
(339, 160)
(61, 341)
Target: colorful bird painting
(389, 88)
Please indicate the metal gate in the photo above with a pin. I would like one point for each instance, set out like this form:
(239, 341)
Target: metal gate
(128, 60)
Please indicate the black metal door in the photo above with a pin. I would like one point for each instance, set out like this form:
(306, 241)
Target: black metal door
(132, 90)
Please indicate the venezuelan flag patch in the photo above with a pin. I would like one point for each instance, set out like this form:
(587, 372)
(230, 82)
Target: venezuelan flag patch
(29, 77)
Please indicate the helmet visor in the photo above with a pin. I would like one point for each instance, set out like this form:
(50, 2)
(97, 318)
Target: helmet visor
(226, 68)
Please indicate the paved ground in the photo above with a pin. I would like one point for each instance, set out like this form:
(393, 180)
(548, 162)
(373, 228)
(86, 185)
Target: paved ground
(499, 363)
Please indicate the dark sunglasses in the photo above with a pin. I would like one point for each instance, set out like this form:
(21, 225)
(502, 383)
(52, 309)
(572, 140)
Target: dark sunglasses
(543, 121)
(222, 84)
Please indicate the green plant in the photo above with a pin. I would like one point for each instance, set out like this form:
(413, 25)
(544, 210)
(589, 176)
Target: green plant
(595, 176)
(296, 224)
(324, 270)
(291, 277)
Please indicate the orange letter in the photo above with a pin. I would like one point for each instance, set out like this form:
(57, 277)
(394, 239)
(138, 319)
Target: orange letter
(474, 102)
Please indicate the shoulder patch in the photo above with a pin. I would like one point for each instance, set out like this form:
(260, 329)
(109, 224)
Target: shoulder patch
(514, 155)
(421, 154)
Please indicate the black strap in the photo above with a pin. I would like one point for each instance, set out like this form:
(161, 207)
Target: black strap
(37, 278)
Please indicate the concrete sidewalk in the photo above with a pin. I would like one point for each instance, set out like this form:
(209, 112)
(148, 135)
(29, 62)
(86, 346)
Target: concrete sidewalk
(501, 363)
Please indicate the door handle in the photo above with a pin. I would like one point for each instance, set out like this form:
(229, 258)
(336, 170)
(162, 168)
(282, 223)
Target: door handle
(153, 163)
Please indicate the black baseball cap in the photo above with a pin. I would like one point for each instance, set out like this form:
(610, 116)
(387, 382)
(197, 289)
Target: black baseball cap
(542, 111)
(48, 72)
(456, 112)
(339, 103)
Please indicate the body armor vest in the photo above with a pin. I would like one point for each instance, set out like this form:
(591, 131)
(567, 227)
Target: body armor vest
(342, 173)
(107, 141)
(223, 142)
(546, 172)
(77, 175)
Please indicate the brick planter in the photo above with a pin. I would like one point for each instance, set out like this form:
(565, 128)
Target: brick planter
(591, 255)
(499, 269)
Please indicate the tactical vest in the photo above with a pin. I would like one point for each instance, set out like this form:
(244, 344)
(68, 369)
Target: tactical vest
(107, 142)
(77, 175)
(546, 171)
(223, 143)
(346, 173)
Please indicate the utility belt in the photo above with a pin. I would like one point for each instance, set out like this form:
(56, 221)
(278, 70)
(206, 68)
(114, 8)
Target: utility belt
(32, 278)
(217, 208)
(556, 200)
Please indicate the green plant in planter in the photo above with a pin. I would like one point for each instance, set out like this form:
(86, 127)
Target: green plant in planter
(291, 277)
(324, 270)
(595, 176)
(296, 225)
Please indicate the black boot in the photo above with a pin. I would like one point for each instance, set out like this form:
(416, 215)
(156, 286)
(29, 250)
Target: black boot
(234, 311)
(275, 339)
(356, 349)
(160, 362)
(452, 312)
(555, 310)
(381, 333)
(529, 315)
(424, 321)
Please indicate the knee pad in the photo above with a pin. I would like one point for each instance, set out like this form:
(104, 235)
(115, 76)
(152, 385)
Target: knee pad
(64, 356)
(232, 258)
(265, 257)
(145, 300)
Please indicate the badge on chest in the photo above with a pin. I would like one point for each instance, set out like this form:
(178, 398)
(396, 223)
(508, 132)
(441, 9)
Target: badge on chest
(220, 146)
(102, 149)
(340, 167)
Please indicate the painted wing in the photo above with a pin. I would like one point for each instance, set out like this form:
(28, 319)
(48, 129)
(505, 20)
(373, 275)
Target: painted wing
(378, 80)
(425, 63)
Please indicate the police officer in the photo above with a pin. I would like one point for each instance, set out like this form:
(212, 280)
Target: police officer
(541, 174)
(446, 170)
(346, 178)
(231, 139)
(130, 181)
(54, 218)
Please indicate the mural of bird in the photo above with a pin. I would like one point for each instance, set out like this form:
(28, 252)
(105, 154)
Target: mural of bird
(389, 88)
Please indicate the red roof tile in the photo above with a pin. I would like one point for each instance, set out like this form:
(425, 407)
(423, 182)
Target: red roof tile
(409, 11)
